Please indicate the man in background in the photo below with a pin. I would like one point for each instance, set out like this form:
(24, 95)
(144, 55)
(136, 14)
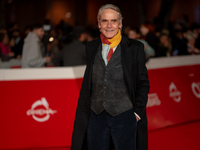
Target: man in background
(32, 54)
(73, 54)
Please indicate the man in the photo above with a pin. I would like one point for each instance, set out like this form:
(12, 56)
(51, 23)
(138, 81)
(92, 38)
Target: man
(113, 97)
(73, 54)
(32, 54)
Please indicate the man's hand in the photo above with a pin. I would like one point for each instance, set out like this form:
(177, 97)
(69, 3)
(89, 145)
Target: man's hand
(137, 118)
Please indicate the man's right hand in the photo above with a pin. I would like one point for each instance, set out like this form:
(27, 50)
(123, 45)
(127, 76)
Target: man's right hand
(48, 59)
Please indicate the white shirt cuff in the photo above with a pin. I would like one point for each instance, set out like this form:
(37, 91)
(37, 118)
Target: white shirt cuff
(137, 116)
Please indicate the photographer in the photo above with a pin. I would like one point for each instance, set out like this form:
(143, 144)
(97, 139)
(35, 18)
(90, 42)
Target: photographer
(32, 54)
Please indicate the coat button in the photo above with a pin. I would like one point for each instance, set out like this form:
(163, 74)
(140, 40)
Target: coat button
(85, 111)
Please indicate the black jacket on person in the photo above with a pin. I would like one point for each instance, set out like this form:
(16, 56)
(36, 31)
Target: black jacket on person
(136, 79)
(72, 54)
(153, 41)
(182, 48)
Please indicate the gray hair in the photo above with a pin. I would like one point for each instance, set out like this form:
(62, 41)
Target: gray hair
(109, 6)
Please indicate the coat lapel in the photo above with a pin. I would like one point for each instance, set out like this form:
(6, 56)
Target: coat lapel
(93, 49)
(127, 62)
(126, 57)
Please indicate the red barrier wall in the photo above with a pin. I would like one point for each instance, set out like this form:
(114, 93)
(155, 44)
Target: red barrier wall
(37, 106)
(37, 113)
(174, 96)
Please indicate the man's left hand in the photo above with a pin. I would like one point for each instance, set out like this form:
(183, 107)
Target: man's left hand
(137, 118)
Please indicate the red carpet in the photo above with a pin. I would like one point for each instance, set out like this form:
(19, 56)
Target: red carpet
(180, 137)
(55, 148)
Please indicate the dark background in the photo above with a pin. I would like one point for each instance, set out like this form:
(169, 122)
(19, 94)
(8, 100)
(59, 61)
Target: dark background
(84, 12)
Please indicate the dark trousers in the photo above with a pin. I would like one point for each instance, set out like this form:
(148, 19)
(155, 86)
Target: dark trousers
(103, 128)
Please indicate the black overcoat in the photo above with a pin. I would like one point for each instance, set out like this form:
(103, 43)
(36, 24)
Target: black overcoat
(136, 78)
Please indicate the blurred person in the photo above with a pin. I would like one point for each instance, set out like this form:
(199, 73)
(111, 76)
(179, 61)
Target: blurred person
(165, 46)
(165, 31)
(92, 32)
(10, 28)
(188, 47)
(178, 25)
(157, 32)
(113, 97)
(134, 33)
(191, 45)
(125, 30)
(178, 39)
(89, 37)
(32, 54)
(5, 52)
(26, 31)
(53, 45)
(147, 30)
(196, 30)
(73, 54)
(17, 44)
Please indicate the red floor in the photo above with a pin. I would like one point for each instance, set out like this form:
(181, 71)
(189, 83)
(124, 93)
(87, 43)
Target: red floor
(55, 148)
(180, 137)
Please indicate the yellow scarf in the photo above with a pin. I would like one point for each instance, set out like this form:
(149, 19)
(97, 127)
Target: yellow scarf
(115, 40)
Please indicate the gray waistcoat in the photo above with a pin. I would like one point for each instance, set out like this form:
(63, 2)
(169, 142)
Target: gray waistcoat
(109, 91)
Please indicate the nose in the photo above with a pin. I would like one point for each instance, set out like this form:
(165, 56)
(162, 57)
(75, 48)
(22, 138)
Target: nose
(109, 25)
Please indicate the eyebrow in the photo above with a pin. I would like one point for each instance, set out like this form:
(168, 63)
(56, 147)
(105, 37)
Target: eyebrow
(111, 20)
(104, 20)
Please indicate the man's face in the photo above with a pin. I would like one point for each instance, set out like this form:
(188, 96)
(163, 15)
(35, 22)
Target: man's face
(109, 23)
(39, 32)
(144, 30)
(132, 34)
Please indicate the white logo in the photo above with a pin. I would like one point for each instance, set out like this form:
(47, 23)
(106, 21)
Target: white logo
(174, 93)
(196, 89)
(40, 112)
(153, 100)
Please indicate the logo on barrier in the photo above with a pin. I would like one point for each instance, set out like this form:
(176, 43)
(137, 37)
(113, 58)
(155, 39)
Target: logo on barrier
(40, 114)
(174, 93)
(196, 89)
(153, 100)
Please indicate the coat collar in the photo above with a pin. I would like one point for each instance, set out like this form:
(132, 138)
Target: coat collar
(124, 48)
(126, 53)
(126, 57)
(127, 62)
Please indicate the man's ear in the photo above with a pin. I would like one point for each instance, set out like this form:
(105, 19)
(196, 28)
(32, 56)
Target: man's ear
(120, 24)
(99, 25)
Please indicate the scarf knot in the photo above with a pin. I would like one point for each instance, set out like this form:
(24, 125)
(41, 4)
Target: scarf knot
(108, 45)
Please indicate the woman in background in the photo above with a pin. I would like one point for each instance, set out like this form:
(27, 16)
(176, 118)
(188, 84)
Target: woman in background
(5, 52)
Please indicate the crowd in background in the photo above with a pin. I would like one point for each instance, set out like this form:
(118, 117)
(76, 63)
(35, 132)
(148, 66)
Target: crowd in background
(63, 45)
